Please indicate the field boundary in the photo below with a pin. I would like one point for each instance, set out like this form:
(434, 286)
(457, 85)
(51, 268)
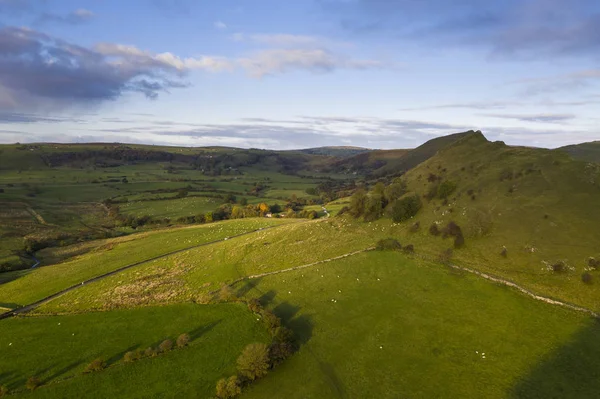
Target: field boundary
(301, 266)
(27, 308)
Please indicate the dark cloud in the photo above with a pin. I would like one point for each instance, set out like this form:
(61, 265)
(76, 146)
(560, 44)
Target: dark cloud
(514, 28)
(76, 17)
(40, 71)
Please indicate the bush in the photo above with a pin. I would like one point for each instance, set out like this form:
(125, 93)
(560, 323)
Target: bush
(166, 345)
(406, 208)
(130, 357)
(587, 278)
(559, 267)
(183, 340)
(434, 230)
(388, 244)
(32, 383)
(504, 252)
(279, 351)
(409, 249)
(226, 294)
(415, 227)
(254, 305)
(96, 365)
(446, 256)
(228, 387)
(271, 321)
(253, 363)
(445, 189)
(150, 352)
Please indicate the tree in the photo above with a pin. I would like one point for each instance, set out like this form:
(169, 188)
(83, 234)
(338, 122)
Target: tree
(183, 340)
(237, 212)
(275, 208)
(373, 207)
(228, 387)
(244, 202)
(226, 293)
(405, 208)
(395, 190)
(263, 208)
(129, 357)
(150, 352)
(253, 363)
(357, 203)
(32, 383)
(445, 189)
(166, 345)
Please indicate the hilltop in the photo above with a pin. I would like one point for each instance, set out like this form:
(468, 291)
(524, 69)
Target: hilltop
(586, 151)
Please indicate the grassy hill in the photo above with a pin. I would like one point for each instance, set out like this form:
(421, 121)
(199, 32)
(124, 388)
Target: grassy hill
(440, 320)
(586, 151)
(384, 162)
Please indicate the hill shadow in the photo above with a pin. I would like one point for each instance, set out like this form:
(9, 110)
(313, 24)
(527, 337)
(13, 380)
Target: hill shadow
(572, 371)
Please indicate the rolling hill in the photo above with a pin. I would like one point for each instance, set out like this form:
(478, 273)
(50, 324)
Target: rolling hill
(586, 151)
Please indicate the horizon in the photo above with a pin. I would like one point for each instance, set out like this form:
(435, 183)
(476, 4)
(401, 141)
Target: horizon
(320, 73)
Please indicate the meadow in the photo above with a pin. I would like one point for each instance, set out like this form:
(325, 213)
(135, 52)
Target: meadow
(57, 350)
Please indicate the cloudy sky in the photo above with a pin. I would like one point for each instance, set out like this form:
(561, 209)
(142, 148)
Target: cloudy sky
(294, 74)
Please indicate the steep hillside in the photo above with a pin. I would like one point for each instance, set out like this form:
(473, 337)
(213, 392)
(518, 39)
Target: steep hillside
(586, 151)
(538, 204)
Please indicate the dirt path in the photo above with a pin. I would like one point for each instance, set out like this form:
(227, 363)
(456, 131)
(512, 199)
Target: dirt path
(36, 215)
(27, 308)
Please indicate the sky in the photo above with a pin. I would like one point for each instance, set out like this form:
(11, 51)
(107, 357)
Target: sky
(296, 74)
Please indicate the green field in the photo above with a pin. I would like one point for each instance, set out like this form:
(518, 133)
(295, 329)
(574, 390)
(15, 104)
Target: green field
(57, 349)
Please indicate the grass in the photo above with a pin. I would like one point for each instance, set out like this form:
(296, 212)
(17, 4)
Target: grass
(172, 208)
(56, 350)
(401, 328)
(38, 283)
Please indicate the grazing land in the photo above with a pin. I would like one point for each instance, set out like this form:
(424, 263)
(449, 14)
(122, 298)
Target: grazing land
(373, 262)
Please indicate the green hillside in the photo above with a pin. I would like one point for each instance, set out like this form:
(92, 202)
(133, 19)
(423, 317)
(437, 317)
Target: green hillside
(472, 272)
(586, 151)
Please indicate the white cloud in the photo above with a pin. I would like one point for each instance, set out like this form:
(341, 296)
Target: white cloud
(220, 25)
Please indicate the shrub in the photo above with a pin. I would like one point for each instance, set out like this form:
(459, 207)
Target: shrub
(405, 208)
(445, 189)
(166, 345)
(96, 365)
(32, 383)
(446, 256)
(409, 249)
(587, 278)
(228, 387)
(130, 357)
(279, 351)
(254, 305)
(283, 334)
(593, 263)
(271, 321)
(3, 391)
(253, 363)
(434, 230)
(504, 252)
(150, 352)
(183, 340)
(388, 244)
(559, 267)
(415, 227)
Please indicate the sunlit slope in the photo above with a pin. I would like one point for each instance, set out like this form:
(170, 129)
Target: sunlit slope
(35, 284)
(539, 204)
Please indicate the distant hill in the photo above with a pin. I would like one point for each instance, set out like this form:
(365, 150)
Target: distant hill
(585, 151)
(336, 151)
(379, 163)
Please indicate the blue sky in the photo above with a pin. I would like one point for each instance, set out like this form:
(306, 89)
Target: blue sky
(295, 74)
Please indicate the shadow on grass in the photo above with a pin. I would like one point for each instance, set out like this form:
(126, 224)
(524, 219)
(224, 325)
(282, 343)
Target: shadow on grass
(267, 297)
(62, 371)
(9, 305)
(7, 277)
(247, 286)
(302, 325)
(115, 358)
(572, 371)
(200, 331)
